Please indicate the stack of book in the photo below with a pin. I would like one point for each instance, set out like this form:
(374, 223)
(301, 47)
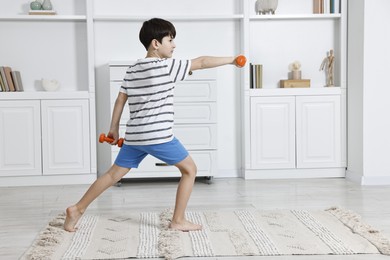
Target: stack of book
(256, 75)
(10, 80)
(326, 6)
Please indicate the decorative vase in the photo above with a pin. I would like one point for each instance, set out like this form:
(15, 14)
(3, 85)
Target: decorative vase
(35, 5)
(266, 6)
(47, 5)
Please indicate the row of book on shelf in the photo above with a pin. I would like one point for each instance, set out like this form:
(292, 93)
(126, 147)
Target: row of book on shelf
(10, 80)
(256, 75)
(326, 6)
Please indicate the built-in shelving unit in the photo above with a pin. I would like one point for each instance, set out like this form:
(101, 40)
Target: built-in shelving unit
(76, 45)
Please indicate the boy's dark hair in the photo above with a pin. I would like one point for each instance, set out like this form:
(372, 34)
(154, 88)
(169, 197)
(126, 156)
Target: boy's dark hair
(156, 28)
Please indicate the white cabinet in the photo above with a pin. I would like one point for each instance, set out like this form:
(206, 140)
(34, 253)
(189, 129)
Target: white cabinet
(44, 140)
(56, 137)
(65, 137)
(273, 132)
(195, 124)
(20, 139)
(295, 132)
(318, 126)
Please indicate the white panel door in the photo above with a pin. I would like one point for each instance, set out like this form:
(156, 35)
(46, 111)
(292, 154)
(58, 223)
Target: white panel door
(272, 132)
(318, 126)
(20, 138)
(65, 137)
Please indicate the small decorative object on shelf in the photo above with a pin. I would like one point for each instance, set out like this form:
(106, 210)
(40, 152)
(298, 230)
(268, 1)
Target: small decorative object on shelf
(41, 7)
(327, 65)
(295, 70)
(295, 77)
(266, 6)
(35, 5)
(50, 84)
(47, 5)
(295, 83)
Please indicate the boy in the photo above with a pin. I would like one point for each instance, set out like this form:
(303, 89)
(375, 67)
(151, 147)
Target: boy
(148, 89)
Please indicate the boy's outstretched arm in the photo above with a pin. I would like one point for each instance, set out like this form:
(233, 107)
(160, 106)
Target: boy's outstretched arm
(205, 62)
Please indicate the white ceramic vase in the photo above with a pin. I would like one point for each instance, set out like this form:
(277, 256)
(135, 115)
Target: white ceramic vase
(266, 6)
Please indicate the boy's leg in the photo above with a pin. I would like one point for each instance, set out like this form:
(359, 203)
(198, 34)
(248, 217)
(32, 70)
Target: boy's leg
(74, 213)
(188, 170)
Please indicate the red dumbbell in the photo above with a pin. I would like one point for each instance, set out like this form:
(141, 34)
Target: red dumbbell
(240, 61)
(104, 138)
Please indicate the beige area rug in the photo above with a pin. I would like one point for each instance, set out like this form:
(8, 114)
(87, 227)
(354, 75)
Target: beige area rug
(333, 231)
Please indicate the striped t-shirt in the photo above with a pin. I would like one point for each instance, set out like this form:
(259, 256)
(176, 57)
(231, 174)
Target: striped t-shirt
(149, 85)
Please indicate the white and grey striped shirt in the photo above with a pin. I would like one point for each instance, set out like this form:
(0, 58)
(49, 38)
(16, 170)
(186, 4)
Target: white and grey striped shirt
(149, 85)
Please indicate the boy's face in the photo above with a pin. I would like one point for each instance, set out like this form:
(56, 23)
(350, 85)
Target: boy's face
(166, 47)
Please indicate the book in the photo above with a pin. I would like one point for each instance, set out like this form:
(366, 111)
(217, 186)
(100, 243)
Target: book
(8, 76)
(326, 6)
(15, 80)
(2, 72)
(2, 87)
(256, 75)
(331, 6)
(295, 83)
(318, 6)
(19, 80)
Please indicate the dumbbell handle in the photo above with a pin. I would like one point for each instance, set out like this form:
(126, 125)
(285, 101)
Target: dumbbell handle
(104, 138)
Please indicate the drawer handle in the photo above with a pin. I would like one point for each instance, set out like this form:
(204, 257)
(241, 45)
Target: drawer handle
(162, 164)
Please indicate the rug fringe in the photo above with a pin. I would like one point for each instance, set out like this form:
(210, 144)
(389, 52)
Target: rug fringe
(48, 239)
(169, 240)
(356, 224)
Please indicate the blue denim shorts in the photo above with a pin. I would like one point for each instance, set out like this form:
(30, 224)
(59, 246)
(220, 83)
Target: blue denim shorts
(130, 156)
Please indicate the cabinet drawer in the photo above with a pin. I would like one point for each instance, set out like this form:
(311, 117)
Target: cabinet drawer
(153, 167)
(186, 91)
(117, 73)
(197, 136)
(193, 91)
(185, 113)
(190, 113)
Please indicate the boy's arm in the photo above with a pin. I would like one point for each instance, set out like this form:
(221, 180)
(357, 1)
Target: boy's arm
(205, 62)
(116, 116)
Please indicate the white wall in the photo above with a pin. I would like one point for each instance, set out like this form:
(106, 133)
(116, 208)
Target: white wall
(369, 92)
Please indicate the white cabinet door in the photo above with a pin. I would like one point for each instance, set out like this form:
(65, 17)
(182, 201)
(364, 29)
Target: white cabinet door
(318, 126)
(20, 142)
(272, 132)
(65, 137)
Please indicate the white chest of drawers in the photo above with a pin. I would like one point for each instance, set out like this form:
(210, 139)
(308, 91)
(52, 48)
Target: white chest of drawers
(195, 124)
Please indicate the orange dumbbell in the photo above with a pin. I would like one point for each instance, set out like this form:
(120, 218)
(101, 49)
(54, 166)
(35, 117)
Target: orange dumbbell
(240, 61)
(104, 138)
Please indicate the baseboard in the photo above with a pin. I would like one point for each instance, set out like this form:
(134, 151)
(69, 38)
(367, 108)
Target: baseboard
(368, 180)
(48, 180)
(295, 173)
(228, 173)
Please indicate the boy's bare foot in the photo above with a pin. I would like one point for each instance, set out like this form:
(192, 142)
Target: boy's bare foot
(73, 215)
(185, 226)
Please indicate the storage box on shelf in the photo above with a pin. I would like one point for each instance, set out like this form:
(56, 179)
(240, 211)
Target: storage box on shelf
(58, 146)
(195, 124)
(300, 132)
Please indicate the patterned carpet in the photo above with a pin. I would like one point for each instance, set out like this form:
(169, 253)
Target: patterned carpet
(225, 233)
